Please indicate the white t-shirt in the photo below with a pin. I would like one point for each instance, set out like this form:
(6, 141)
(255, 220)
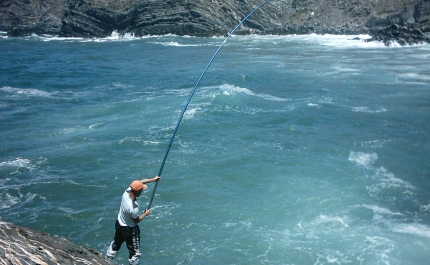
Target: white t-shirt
(128, 211)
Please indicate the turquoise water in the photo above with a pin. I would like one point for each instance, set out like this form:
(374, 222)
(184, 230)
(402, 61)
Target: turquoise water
(294, 149)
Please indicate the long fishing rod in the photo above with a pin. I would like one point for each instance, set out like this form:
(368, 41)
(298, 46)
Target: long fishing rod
(191, 95)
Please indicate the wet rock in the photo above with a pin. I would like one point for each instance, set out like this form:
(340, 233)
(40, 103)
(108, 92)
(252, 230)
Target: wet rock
(21, 245)
(401, 35)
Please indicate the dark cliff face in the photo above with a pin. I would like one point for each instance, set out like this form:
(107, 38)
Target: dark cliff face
(23, 17)
(99, 18)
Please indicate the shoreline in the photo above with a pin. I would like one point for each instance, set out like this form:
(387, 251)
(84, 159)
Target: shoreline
(384, 39)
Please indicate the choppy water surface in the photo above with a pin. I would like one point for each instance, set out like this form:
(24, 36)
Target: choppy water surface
(294, 149)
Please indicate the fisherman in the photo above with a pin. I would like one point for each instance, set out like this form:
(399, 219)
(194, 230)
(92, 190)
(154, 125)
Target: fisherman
(126, 228)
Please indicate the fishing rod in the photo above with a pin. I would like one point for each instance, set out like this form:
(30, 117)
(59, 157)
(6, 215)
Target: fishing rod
(191, 95)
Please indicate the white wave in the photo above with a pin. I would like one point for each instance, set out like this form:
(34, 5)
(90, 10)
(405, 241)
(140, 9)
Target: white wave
(367, 110)
(157, 36)
(96, 125)
(67, 210)
(189, 113)
(17, 163)
(415, 76)
(328, 219)
(374, 143)
(326, 100)
(379, 245)
(173, 40)
(170, 43)
(176, 44)
(414, 229)
(115, 36)
(359, 41)
(325, 39)
(337, 41)
(341, 41)
(47, 37)
(138, 140)
(425, 208)
(339, 68)
(386, 179)
(7, 201)
(29, 197)
(362, 159)
(240, 225)
(27, 92)
(231, 90)
(351, 41)
(380, 210)
(389, 180)
(318, 106)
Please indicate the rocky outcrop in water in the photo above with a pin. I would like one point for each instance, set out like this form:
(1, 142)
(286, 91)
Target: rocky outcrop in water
(99, 18)
(21, 245)
(401, 35)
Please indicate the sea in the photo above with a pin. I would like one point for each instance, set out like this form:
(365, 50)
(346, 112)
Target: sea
(310, 149)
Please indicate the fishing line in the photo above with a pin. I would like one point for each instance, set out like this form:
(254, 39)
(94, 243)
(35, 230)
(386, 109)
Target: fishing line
(191, 95)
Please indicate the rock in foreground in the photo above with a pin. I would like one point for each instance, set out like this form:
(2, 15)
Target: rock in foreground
(21, 245)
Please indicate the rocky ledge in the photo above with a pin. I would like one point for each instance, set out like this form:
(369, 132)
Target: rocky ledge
(401, 35)
(99, 18)
(21, 245)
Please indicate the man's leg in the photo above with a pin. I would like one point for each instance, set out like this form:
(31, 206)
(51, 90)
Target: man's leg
(133, 245)
(115, 245)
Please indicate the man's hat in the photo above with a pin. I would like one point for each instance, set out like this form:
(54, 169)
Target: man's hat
(138, 185)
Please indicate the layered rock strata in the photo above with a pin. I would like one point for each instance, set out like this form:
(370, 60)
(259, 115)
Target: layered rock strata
(99, 18)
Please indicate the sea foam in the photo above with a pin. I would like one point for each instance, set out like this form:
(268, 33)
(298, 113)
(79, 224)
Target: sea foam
(367, 110)
(414, 229)
(189, 114)
(362, 159)
(231, 90)
(16, 164)
(27, 92)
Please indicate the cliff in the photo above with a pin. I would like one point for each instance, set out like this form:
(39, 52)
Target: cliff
(99, 18)
(21, 245)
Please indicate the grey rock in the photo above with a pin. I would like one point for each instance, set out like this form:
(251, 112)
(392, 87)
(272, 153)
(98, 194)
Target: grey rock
(401, 35)
(99, 18)
(21, 245)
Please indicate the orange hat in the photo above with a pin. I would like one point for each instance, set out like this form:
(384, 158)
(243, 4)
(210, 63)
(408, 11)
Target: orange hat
(138, 185)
